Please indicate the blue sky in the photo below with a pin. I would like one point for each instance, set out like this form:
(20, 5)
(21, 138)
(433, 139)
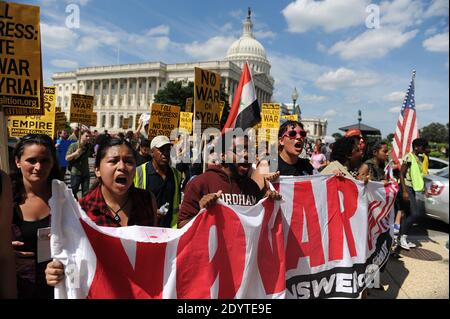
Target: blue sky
(323, 48)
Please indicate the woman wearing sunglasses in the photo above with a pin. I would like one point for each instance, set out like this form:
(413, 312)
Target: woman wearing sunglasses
(35, 168)
(292, 137)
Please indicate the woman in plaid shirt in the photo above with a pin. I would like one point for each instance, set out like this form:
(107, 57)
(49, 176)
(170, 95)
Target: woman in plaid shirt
(113, 200)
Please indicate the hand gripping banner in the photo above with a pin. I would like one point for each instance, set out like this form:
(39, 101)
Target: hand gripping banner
(327, 238)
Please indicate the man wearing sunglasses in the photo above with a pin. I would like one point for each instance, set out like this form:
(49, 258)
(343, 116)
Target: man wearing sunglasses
(292, 137)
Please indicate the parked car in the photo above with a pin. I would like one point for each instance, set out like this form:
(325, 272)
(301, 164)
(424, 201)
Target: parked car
(435, 165)
(435, 199)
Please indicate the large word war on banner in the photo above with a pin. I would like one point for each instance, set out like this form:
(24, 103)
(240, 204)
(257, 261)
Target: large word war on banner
(19, 126)
(20, 59)
(327, 239)
(207, 98)
(163, 119)
(81, 109)
(270, 121)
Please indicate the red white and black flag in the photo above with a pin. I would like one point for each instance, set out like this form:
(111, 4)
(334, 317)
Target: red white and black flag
(245, 111)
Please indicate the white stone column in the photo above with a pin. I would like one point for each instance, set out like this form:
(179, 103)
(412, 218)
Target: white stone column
(157, 85)
(127, 95)
(227, 85)
(101, 94)
(116, 98)
(108, 97)
(137, 93)
(116, 121)
(147, 85)
(93, 88)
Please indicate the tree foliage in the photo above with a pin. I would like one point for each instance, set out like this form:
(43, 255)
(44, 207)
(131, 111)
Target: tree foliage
(435, 132)
(337, 135)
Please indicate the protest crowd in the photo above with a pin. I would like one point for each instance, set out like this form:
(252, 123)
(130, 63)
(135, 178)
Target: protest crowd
(135, 181)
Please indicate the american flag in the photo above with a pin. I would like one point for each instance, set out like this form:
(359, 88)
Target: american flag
(406, 130)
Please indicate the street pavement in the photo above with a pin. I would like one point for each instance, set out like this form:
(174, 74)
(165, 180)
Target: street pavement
(422, 272)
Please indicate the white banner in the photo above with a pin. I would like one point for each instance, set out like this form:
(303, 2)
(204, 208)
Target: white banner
(316, 243)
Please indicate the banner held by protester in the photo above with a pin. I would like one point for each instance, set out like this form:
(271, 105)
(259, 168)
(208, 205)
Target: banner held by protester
(163, 119)
(81, 108)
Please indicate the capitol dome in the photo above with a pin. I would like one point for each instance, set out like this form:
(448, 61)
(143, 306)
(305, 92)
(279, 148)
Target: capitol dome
(248, 49)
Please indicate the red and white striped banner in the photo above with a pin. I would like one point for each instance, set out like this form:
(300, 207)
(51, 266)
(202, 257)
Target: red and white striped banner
(316, 243)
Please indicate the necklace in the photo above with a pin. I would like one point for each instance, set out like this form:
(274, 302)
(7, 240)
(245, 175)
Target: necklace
(116, 213)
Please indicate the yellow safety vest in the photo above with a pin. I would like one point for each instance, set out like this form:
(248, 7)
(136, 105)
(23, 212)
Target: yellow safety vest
(140, 181)
(416, 174)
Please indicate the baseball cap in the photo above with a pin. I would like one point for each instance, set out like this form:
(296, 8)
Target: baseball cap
(353, 132)
(159, 141)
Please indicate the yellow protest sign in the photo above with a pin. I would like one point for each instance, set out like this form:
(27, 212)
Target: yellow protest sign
(207, 98)
(60, 120)
(20, 126)
(270, 120)
(221, 106)
(20, 59)
(293, 117)
(163, 119)
(189, 102)
(186, 121)
(81, 108)
(136, 122)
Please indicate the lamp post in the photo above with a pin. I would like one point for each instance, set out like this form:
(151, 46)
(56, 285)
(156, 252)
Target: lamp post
(359, 119)
(294, 98)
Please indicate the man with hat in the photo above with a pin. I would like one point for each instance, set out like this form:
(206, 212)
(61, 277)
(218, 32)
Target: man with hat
(163, 180)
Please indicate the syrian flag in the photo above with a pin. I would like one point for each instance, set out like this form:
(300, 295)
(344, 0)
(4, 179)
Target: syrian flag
(245, 111)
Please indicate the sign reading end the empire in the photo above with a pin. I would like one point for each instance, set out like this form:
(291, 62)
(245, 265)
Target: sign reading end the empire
(20, 61)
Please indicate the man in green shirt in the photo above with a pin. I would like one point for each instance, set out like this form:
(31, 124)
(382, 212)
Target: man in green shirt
(78, 161)
(411, 181)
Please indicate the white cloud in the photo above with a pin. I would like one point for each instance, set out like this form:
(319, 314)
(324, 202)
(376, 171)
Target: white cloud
(87, 44)
(64, 64)
(213, 48)
(161, 43)
(395, 109)
(395, 97)
(430, 31)
(346, 78)
(314, 98)
(437, 8)
(424, 107)
(330, 113)
(237, 14)
(159, 30)
(330, 15)
(264, 34)
(401, 13)
(437, 43)
(375, 43)
(55, 37)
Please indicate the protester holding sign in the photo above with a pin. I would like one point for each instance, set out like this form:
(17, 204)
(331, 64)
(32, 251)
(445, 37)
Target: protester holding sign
(345, 158)
(36, 167)
(373, 168)
(292, 138)
(7, 274)
(113, 201)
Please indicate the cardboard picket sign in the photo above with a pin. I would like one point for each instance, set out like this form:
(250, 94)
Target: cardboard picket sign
(189, 102)
(19, 126)
(163, 119)
(20, 61)
(207, 98)
(270, 121)
(186, 121)
(293, 117)
(81, 109)
(126, 123)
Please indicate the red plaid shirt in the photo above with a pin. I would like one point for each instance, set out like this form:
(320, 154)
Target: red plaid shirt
(142, 213)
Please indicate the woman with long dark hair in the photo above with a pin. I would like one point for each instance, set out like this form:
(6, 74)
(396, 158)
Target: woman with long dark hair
(35, 168)
(113, 201)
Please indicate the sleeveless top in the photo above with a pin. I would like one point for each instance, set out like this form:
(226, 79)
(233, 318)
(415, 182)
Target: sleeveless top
(376, 173)
(31, 283)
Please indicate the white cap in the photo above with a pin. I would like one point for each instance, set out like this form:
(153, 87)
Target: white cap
(159, 141)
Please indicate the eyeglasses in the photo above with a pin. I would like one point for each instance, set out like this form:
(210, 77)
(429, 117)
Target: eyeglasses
(295, 133)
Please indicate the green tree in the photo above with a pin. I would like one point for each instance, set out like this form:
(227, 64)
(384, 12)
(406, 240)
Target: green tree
(175, 93)
(435, 132)
(390, 137)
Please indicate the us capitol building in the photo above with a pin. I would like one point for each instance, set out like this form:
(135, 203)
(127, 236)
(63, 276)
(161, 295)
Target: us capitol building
(127, 90)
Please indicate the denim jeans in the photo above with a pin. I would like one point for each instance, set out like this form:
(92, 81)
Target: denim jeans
(411, 212)
(76, 181)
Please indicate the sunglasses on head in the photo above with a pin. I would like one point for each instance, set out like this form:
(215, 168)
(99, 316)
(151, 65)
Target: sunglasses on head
(294, 133)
